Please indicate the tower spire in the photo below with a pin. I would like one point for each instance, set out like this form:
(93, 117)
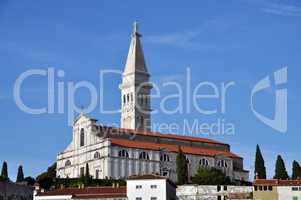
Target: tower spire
(135, 87)
(135, 60)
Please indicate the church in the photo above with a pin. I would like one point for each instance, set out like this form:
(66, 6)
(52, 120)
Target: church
(133, 149)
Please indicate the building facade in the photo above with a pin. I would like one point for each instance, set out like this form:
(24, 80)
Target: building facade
(277, 189)
(213, 192)
(88, 193)
(133, 149)
(150, 187)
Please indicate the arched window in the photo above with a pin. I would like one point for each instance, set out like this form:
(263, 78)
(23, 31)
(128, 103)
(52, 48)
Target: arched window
(123, 153)
(164, 158)
(96, 155)
(204, 162)
(144, 156)
(82, 137)
(67, 163)
(222, 163)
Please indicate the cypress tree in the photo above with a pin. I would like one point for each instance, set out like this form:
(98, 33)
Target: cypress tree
(181, 167)
(260, 171)
(87, 178)
(20, 175)
(280, 171)
(4, 173)
(296, 171)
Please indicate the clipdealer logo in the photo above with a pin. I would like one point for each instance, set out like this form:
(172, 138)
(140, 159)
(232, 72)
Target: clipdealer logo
(192, 95)
(278, 79)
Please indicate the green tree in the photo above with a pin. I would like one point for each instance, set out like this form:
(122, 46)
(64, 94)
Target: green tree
(181, 167)
(20, 175)
(4, 173)
(280, 170)
(30, 181)
(260, 171)
(210, 176)
(296, 170)
(46, 179)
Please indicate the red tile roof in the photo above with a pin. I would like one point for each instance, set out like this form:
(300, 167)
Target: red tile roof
(170, 147)
(161, 135)
(276, 182)
(89, 192)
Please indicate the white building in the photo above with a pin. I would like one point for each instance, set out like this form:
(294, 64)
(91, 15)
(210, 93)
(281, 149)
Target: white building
(150, 187)
(133, 149)
(213, 192)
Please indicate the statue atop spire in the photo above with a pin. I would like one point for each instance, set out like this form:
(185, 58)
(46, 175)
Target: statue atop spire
(135, 27)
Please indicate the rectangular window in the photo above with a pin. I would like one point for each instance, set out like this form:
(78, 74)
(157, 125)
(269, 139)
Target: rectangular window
(260, 188)
(153, 186)
(255, 187)
(153, 198)
(138, 186)
(265, 188)
(225, 188)
(138, 198)
(295, 188)
(270, 188)
(218, 188)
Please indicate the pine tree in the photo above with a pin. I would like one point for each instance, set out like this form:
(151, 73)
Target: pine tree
(260, 171)
(280, 171)
(296, 171)
(181, 167)
(20, 175)
(4, 173)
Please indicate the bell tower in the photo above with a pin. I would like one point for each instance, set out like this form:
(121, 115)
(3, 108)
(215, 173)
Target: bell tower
(135, 87)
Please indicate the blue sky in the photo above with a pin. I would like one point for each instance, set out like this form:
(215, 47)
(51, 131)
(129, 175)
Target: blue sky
(220, 41)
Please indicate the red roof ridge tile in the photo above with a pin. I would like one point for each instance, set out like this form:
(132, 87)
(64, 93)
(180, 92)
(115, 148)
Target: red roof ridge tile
(171, 147)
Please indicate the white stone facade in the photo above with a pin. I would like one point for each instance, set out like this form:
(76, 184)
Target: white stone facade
(107, 160)
(213, 192)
